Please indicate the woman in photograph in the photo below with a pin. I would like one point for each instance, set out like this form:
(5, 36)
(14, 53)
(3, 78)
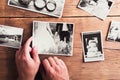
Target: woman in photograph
(114, 33)
(92, 48)
(43, 38)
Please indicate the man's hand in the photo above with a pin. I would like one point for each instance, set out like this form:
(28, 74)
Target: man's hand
(55, 69)
(27, 61)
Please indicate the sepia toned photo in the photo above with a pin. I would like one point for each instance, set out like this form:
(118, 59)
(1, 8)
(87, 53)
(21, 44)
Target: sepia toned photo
(99, 8)
(53, 38)
(48, 7)
(114, 32)
(92, 46)
(10, 36)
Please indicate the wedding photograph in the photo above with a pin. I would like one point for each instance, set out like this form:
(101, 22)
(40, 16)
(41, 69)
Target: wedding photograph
(10, 36)
(48, 7)
(114, 31)
(98, 8)
(92, 46)
(53, 38)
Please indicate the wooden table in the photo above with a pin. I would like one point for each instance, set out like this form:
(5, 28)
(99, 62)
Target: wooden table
(109, 69)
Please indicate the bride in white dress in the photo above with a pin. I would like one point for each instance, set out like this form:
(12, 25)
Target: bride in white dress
(43, 38)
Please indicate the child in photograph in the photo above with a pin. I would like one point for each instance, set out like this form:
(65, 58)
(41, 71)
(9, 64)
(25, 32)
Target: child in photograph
(92, 48)
(46, 41)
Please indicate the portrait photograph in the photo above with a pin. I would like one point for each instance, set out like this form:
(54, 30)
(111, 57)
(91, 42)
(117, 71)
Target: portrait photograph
(53, 38)
(114, 31)
(48, 7)
(10, 36)
(92, 46)
(98, 8)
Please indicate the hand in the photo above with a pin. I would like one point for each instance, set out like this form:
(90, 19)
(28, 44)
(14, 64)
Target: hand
(55, 69)
(27, 61)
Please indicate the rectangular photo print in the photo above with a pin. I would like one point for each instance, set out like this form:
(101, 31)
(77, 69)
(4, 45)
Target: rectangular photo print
(10, 36)
(53, 38)
(98, 8)
(92, 46)
(48, 7)
(114, 32)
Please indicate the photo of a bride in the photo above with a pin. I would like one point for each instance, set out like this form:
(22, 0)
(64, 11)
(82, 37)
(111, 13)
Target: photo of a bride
(48, 40)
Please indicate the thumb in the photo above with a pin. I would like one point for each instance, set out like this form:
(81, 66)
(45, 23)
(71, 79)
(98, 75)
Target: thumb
(35, 55)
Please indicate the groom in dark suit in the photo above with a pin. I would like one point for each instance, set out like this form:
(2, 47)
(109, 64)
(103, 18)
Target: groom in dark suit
(64, 30)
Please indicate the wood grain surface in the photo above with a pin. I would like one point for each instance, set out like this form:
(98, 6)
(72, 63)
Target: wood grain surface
(109, 69)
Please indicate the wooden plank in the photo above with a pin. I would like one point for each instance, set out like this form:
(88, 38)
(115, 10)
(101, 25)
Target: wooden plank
(8, 70)
(104, 70)
(70, 9)
(81, 24)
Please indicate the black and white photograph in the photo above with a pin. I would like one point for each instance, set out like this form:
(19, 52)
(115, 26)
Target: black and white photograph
(98, 8)
(92, 46)
(114, 31)
(10, 36)
(53, 38)
(48, 7)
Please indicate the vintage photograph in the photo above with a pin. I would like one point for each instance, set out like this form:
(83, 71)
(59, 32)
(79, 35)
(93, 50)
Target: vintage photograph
(48, 7)
(92, 46)
(98, 8)
(53, 38)
(10, 36)
(114, 31)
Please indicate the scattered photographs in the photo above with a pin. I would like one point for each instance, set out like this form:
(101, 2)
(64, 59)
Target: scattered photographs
(53, 38)
(92, 46)
(114, 31)
(99, 8)
(48, 7)
(10, 36)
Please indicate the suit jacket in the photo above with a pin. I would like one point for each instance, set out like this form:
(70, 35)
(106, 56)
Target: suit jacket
(59, 27)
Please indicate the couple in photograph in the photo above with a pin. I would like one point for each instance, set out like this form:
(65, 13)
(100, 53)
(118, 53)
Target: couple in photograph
(99, 8)
(93, 49)
(46, 40)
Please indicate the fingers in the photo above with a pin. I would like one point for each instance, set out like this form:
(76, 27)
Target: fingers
(46, 65)
(52, 62)
(62, 63)
(27, 47)
(57, 61)
(18, 52)
(35, 55)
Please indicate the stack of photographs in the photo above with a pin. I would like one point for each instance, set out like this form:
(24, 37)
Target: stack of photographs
(48, 7)
(99, 8)
(10, 36)
(92, 46)
(53, 38)
(114, 32)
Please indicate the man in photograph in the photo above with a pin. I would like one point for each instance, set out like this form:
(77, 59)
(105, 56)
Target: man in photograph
(64, 31)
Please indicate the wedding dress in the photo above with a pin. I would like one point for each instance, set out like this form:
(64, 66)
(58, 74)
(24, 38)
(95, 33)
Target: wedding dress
(43, 40)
